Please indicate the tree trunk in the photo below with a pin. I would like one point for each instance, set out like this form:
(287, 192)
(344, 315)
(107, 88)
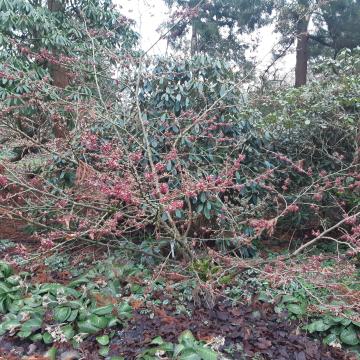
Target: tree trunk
(193, 49)
(58, 73)
(55, 5)
(302, 51)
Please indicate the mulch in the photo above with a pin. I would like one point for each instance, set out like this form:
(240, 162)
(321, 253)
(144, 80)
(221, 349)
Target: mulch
(253, 331)
(257, 328)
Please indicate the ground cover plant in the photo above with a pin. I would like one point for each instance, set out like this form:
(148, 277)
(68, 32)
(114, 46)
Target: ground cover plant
(171, 207)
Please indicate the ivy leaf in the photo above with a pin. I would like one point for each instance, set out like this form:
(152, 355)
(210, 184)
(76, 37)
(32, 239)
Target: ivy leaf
(295, 309)
(125, 310)
(187, 338)
(73, 315)
(345, 322)
(87, 327)
(189, 354)
(349, 336)
(104, 310)
(5, 270)
(318, 325)
(24, 334)
(263, 296)
(79, 281)
(99, 321)
(61, 314)
(289, 298)
(331, 338)
(31, 325)
(103, 340)
(51, 354)
(36, 337)
(157, 341)
(178, 349)
(104, 351)
(49, 288)
(68, 331)
(47, 338)
(206, 353)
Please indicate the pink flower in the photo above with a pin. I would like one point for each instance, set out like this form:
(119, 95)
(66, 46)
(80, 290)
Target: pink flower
(61, 203)
(293, 208)
(172, 155)
(318, 196)
(90, 141)
(149, 176)
(263, 224)
(106, 149)
(201, 186)
(47, 244)
(175, 205)
(21, 250)
(315, 233)
(350, 220)
(118, 216)
(3, 180)
(241, 157)
(338, 181)
(159, 167)
(356, 230)
(136, 156)
(112, 164)
(164, 188)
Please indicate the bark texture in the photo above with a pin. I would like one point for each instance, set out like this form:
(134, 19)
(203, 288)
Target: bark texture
(302, 52)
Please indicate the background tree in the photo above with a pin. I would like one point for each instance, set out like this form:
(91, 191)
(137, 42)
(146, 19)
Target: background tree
(335, 25)
(60, 43)
(216, 27)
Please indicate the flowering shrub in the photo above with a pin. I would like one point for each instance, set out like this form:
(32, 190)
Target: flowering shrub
(168, 149)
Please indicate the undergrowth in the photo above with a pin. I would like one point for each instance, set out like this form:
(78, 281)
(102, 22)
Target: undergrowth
(101, 298)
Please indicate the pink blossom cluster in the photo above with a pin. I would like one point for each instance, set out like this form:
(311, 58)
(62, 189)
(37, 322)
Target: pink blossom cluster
(175, 205)
(90, 141)
(3, 180)
(293, 208)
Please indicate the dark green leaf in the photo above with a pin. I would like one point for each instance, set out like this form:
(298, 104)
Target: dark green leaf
(349, 336)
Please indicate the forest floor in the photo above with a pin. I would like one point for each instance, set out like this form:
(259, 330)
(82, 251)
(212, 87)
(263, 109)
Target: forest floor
(227, 316)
